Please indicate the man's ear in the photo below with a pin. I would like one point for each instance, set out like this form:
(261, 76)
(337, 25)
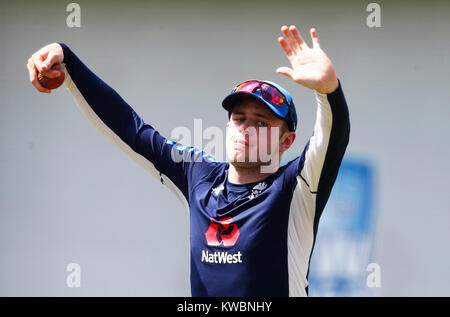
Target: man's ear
(286, 140)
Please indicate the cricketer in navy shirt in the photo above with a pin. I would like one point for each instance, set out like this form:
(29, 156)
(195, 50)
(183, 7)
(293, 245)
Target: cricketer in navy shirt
(247, 238)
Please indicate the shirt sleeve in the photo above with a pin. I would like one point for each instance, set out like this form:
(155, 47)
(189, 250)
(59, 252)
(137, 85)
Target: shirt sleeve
(169, 162)
(317, 167)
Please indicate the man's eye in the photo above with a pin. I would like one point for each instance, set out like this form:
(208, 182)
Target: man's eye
(262, 124)
(239, 119)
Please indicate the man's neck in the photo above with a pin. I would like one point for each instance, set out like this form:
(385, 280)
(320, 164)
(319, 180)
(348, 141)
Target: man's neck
(245, 175)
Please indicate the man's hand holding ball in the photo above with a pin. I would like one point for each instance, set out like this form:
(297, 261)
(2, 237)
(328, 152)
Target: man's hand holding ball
(46, 69)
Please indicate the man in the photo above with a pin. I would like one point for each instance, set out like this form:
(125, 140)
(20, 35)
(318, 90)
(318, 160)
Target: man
(252, 227)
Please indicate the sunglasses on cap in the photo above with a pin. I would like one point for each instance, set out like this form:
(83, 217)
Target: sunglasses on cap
(268, 92)
(273, 97)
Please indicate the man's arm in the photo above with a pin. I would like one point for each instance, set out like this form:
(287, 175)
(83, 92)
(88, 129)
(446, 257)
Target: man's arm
(311, 176)
(322, 156)
(115, 119)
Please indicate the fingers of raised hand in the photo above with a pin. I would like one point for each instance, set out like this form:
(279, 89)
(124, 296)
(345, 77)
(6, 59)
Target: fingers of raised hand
(286, 48)
(294, 38)
(314, 37)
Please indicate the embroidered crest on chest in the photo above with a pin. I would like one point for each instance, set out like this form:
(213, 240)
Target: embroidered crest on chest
(257, 189)
(216, 190)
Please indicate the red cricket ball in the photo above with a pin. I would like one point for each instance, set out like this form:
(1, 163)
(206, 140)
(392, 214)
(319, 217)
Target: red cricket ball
(52, 83)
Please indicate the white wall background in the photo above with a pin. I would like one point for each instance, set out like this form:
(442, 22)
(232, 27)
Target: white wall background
(68, 195)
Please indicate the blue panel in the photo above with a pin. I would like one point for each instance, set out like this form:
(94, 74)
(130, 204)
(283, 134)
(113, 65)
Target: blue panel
(345, 236)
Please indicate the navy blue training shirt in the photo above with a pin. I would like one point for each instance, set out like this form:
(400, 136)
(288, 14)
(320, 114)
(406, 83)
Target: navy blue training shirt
(251, 239)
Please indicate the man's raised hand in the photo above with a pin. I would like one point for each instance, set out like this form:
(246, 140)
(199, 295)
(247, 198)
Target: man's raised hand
(311, 67)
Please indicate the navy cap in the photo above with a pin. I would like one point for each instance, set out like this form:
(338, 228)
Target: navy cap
(286, 112)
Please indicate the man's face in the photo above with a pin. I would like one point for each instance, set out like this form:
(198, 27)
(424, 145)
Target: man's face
(254, 135)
